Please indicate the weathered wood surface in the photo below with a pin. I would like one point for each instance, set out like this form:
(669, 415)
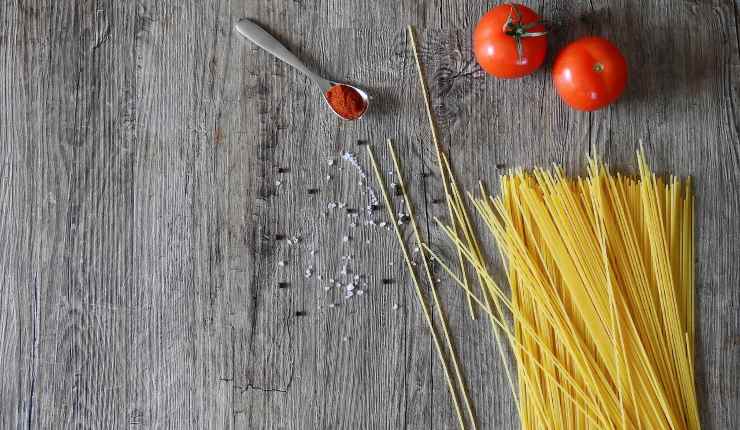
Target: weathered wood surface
(142, 145)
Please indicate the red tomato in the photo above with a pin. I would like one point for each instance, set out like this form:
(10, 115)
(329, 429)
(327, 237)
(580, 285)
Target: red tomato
(509, 41)
(590, 73)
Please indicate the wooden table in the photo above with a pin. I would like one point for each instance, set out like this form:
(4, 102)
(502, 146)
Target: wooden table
(152, 162)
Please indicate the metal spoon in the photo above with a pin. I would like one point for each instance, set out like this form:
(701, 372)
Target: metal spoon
(264, 40)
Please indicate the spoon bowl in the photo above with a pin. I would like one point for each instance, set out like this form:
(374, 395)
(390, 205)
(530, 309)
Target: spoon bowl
(365, 100)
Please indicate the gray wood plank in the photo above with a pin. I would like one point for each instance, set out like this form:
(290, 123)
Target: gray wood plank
(179, 337)
(70, 205)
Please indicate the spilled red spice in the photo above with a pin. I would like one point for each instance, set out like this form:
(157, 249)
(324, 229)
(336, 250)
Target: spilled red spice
(346, 101)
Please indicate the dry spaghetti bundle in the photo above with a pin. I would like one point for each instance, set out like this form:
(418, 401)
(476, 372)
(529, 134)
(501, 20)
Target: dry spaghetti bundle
(600, 312)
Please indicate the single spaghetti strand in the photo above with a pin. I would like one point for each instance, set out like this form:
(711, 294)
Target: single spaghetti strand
(432, 287)
(417, 287)
(438, 150)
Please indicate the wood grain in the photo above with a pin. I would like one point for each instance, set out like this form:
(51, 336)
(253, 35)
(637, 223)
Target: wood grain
(155, 166)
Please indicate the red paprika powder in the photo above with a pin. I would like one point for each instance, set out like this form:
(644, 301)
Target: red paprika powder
(346, 101)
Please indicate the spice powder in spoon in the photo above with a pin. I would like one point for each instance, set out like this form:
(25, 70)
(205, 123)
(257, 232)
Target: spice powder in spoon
(346, 101)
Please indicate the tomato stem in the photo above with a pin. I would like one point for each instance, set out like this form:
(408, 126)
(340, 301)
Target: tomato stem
(518, 30)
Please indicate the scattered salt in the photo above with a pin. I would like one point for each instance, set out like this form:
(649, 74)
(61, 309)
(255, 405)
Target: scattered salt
(331, 205)
(372, 197)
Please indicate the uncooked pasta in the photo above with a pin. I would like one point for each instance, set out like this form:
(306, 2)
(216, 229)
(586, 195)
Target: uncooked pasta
(599, 314)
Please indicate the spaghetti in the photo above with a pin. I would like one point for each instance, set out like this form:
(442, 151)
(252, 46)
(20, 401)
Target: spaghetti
(602, 296)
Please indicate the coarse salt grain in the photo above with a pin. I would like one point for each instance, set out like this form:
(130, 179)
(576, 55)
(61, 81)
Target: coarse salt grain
(282, 263)
(360, 292)
(331, 205)
(395, 307)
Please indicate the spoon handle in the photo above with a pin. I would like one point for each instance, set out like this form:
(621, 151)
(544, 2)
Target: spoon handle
(264, 40)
